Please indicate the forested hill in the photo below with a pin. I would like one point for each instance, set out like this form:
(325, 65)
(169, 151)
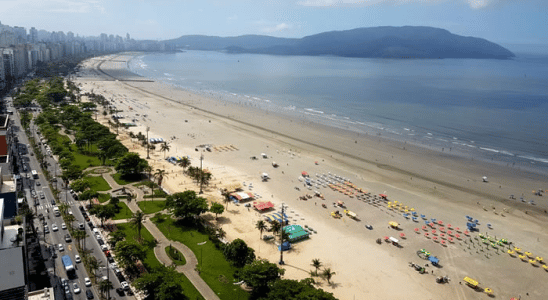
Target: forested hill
(377, 42)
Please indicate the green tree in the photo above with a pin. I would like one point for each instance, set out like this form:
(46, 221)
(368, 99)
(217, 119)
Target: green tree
(184, 162)
(165, 148)
(285, 289)
(186, 205)
(316, 263)
(116, 236)
(328, 274)
(129, 252)
(94, 265)
(217, 209)
(103, 212)
(163, 284)
(105, 286)
(70, 219)
(238, 253)
(137, 221)
(261, 225)
(131, 165)
(226, 197)
(160, 175)
(114, 201)
(80, 185)
(259, 275)
(63, 208)
(221, 234)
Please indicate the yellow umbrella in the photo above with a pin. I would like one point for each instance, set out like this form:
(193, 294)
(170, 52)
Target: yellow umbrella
(396, 201)
(540, 259)
(406, 210)
(533, 262)
(512, 253)
(518, 250)
(523, 257)
(412, 209)
(545, 267)
(528, 253)
(488, 291)
(389, 203)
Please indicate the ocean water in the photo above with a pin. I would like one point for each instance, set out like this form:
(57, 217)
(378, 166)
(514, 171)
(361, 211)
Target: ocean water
(489, 109)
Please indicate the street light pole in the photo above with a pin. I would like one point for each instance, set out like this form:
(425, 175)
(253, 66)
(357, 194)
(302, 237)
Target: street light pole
(148, 156)
(281, 262)
(201, 172)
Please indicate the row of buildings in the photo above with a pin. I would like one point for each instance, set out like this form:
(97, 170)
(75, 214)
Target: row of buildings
(21, 50)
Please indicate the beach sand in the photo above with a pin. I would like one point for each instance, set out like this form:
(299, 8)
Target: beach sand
(436, 184)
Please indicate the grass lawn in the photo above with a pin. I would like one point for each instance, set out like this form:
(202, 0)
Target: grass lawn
(123, 181)
(151, 207)
(84, 161)
(176, 256)
(97, 183)
(152, 262)
(216, 271)
(125, 212)
(103, 198)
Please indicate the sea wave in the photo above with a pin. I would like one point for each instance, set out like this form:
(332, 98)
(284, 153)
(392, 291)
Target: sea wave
(314, 111)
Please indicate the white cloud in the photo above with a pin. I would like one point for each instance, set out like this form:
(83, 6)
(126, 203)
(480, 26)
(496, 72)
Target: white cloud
(475, 4)
(277, 28)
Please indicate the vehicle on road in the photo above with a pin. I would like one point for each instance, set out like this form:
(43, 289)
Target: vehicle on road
(63, 226)
(61, 248)
(54, 227)
(68, 239)
(81, 226)
(89, 294)
(120, 292)
(77, 259)
(369, 227)
(69, 267)
(38, 183)
(76, 288)
(46, 229)
(124, 285)
(87, 281)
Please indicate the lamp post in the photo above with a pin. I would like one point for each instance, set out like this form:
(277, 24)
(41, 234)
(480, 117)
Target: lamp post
(201, 172)
(148, 156)
(281, 262)
(201, 257)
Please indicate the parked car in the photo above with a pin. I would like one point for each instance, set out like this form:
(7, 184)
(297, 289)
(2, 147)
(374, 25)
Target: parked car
(61, 248)
(54, 227)
(76, 288)
(87, 281)
(120, 292)
(46, 229)
(89, 294)
(77, 259)
(63, 226)
(68, 239)
(81, 226)
(124, 285)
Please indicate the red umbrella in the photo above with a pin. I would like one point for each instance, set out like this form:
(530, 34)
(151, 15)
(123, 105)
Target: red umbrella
(442, 228)
(433, 231)
(402, 234)
(457, 229)
(431, 224)
(457, 236)
(435, 239)
(449, 226)
(442, 236)
(440, 222)
(386, 238)
(450, 232)
(450, 239)
(423, 227)
(416, 230)
(466, 232)
(443, 243)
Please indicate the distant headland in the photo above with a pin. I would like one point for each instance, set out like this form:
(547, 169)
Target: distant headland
(405, 42)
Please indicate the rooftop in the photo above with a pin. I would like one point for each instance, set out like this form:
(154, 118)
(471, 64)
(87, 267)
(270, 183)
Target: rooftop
(12, 273)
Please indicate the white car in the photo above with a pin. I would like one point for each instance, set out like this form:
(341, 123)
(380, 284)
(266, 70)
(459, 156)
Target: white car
(63, 226)
(76, 288)
(77, 258)
(124, 285)
(87, 282)
(54, 227)
(104, 247)
(113, 265)
(61, 248)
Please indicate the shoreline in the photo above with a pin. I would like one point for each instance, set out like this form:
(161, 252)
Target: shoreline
(441, 142)
(436, 184)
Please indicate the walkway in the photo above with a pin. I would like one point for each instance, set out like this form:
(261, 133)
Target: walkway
(189, 269)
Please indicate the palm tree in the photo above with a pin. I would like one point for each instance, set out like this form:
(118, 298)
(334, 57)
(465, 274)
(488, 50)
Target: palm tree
(221, 234)
(70, 219)
(105, 286)
(160, 175)
(94, 265)
(137, 221)
(327, 273)
(63, 207)
(316, 263)
(164, 148)
(184, 162)
(275, 227)
(226, 197)
(261, 225)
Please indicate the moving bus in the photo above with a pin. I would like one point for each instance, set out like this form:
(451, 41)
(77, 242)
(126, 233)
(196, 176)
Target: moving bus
(69, 267)
(34, 174)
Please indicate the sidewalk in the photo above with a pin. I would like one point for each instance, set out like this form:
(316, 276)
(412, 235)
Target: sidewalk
(189, 269)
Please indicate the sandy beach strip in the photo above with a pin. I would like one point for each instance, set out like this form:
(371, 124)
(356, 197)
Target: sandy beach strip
(435, 184)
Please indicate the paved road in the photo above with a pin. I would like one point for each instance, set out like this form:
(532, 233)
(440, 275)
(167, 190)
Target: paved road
(42, 204)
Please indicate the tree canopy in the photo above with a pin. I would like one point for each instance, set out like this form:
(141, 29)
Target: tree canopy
(217, 209)
(239, 253)
(163, 284)
(131, 165)
(187, 204)
(259, 275)
(129, 252)
(286, 289)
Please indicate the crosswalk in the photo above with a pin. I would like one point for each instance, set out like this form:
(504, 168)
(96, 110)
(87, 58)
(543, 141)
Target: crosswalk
(49, 205)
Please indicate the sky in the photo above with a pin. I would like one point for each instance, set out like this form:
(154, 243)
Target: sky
(500, 21)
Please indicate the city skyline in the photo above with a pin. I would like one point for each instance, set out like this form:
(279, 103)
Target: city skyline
(501, 21)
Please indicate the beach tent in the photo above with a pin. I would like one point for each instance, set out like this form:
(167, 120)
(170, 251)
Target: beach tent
(241, 196)
(262, 206)
(304, 174)
(296, 233)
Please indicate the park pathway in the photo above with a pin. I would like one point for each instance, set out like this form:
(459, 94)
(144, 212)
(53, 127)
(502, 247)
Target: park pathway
(189, 269)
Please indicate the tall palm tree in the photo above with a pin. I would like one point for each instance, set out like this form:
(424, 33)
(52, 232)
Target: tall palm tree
(261, 225)
(63, 208)
(70, 219)
(105, 286)
(221, 234)
(160, 175)
(164, 148)
(137, 221)
(226, 197)
(316, 263)
(94, 265)
(275, 227)
(184, 162)
(328, 274)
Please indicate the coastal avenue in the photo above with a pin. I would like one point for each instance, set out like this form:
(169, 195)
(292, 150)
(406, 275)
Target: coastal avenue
(42, 204)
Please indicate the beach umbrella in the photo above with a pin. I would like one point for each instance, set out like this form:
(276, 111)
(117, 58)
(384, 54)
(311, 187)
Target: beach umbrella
(431, 224)
(443, 243)
(488, 291)
(412, 209)
(402, 235)
(426, 234)
(442, 236)
(385, 238)
(450, 239)
(423, 227)
(450, 232)
(435, 239)
(523, 257)
(433, 231)
(466, 232)
(457, 236)
(416, 230)
(440, 222)
(533, 262)
(540, 259)
(518, 250)
(545, 267)
(442, 229)
(449, 226)
(423, 216)
(457, 229)
(528, 253)
(512, 253)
